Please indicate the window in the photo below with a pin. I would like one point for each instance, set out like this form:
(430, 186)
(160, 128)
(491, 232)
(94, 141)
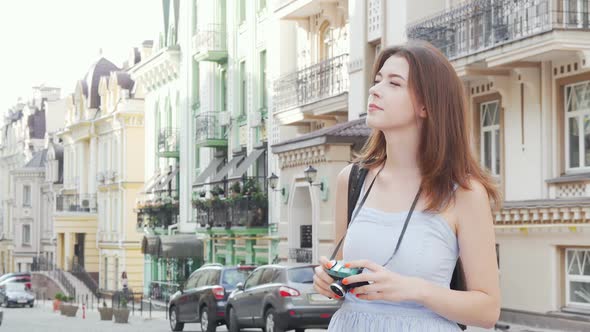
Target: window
(577, 122)
(490, 136)
(242, 13)
(302, 275)
(577, 272)
(243, 108)
(326, 41)
(26, 195)
(263, 92)
(267, 276)
(193, 280)
(234, 276)
(253, 279)
(26, 240)
(106, 273)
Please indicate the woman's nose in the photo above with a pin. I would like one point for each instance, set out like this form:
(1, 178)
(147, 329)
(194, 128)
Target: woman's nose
(374, 91)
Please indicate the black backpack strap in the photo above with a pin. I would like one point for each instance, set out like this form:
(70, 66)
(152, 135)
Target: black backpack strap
(356, 179)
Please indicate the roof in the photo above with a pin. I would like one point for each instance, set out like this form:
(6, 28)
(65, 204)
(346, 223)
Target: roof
(102, 67)
(124, 80)
(348, 132)
(39, 160)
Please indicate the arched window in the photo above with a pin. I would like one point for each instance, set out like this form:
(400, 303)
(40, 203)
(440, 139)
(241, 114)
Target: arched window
(325, 41)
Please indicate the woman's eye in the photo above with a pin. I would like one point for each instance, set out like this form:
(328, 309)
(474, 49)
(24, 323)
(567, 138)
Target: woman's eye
(376, 82)
(393, 83)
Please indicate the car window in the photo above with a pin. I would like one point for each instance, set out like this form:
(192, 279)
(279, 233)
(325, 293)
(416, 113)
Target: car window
(204, 280)
(302, 275)
(254, 278)
(232, 277)
(192, 281)
(267, 276)
(214, 277)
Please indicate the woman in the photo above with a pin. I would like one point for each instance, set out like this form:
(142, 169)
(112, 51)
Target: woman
(124, 281)
(419, 150)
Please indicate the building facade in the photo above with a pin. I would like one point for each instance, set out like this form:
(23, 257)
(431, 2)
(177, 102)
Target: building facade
(524, 65)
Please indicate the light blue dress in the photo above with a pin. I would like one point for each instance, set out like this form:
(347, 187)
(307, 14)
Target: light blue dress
(429, 250)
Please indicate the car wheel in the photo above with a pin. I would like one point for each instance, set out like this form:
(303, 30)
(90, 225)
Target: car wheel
(31, 305)
(208, 323)
(270, 322)
(234, 326)
(175, 325)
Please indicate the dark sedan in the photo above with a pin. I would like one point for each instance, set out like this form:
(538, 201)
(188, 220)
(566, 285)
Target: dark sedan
(278, 298)
(204, 296)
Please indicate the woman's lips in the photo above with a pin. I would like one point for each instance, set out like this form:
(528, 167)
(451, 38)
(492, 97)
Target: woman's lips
(373, 107)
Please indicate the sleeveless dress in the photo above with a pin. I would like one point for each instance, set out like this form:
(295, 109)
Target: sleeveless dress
(429, 250)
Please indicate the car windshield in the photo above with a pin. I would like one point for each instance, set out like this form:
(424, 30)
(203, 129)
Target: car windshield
(14, 287)
(234, 276)
(302, 275)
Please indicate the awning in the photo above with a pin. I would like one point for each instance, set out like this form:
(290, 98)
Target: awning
(225, 170)
(151, 183)
(165, 180)
(180, 246)
(150, 245)
(254, 155)
(209, 170)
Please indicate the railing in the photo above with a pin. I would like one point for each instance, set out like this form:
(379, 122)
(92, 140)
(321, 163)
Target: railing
(208, 127)
(326, 79)
(301, 255)
(483, 24)
(41, 264)
(168, 140)
(76, 203)
(80, 272)
(163, 290)
(210, 37)
(241, 212)
(157, 214)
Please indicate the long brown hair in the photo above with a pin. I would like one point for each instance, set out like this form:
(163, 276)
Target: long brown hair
(445, 156)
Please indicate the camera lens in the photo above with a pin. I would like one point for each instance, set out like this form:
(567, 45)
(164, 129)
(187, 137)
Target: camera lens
(338, 288)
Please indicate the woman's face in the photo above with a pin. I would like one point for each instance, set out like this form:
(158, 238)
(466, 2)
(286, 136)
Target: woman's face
(390, 104)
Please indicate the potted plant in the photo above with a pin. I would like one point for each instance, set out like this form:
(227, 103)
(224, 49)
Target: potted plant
(105, 312)
(57, 301)
(66, 308)
(122, 313)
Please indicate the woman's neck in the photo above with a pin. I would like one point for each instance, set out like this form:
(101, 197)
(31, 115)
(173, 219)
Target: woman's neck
(402, 152)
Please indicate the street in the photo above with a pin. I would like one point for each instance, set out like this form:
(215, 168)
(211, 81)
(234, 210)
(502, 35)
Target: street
(42, 319)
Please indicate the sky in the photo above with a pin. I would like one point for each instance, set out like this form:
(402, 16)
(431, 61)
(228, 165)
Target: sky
(54, 42)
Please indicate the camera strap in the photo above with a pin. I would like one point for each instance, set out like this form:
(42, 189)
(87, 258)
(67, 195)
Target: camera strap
(362, 202)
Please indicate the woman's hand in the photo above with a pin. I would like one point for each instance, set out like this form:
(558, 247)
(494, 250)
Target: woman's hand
(384, 284)
(322, 281)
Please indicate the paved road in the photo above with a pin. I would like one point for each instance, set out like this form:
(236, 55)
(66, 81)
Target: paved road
(42, 319)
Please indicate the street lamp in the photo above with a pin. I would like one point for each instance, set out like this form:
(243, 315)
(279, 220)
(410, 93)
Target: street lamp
(273, 181)
(310, 175)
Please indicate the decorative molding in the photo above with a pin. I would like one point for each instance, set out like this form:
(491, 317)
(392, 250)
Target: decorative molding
(302, 157)
(550, 215)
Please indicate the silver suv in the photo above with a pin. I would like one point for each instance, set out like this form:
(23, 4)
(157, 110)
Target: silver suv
(279, 298)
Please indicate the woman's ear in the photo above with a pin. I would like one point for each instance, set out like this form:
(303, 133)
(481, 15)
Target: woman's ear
(422, 113)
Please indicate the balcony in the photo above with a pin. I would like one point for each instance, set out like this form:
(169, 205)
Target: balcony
(168, 143)
(210, 44)
(298, 9)
(76, 203)
(209, 131)
(314, 92)
(301, 255)
(483, 25)
(157, 213)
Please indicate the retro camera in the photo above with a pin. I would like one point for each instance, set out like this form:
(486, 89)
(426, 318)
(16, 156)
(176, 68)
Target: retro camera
(338, 272)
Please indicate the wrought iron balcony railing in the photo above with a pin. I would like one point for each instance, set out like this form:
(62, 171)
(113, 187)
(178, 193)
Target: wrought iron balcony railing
(227, 213)
(76, 203)
(208, 130)
(323, 80)
(210, 43)
(168, 142)
(301, 255)
(484, 24)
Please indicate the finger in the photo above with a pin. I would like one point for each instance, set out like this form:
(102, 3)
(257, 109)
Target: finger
(371, 296)
(325, 262)
(364, 264)
(319, 271)
(367, 289)
(323, 288)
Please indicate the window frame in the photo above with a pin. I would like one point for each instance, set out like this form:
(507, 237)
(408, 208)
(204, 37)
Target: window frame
(26, 242)
(27, 195)
(574, 278)
(495, 130)
(579, 115)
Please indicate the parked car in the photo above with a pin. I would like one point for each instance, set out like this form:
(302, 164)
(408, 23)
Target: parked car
(278, 298)
(22, 279)
(16, 294)
(15, 274)
(204, 295)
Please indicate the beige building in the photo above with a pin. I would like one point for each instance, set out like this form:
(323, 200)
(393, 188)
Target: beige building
(525, 66)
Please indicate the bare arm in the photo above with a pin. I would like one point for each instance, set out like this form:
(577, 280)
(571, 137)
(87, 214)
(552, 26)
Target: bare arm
(480, 304)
